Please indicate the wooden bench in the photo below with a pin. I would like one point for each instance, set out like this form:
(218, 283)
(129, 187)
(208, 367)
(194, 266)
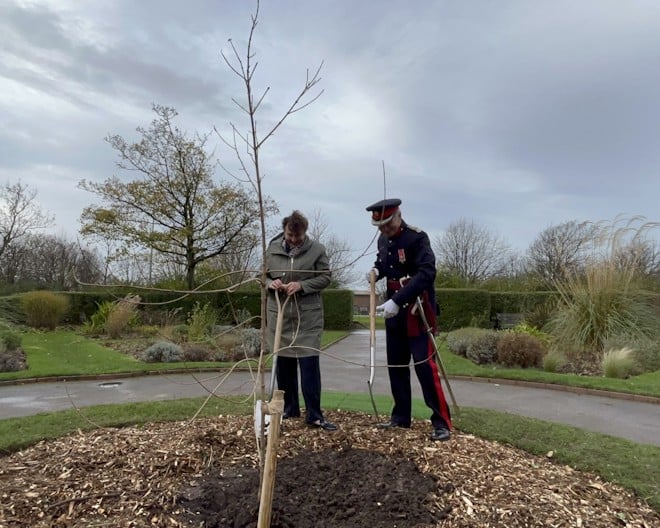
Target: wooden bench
(504, 321)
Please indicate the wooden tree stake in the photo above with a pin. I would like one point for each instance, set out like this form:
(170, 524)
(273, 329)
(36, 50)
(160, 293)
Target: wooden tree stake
(275, 408)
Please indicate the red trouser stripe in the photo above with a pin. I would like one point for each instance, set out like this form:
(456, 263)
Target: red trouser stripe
(444, 408)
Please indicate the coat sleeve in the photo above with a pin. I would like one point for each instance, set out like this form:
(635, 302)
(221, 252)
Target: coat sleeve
(321, 279)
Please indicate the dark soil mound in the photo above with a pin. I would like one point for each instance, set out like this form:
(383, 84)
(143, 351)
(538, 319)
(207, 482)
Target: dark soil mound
(348, 488)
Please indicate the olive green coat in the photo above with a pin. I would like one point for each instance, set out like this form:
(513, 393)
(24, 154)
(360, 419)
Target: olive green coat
(302, 324)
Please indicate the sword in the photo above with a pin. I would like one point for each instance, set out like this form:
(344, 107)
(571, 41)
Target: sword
(438, 359)
(372, 339)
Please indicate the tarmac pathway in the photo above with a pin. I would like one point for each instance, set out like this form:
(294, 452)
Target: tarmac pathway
(345, 368)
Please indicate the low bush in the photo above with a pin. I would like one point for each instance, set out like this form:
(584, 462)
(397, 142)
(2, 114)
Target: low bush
(122, 316)
(148, 330)
(192, 352)
(44, 309)
(516, 349)
(618, 363)
(646, 351)
(99, 317)
(554, 361)
(12, 360)
(201, 320)
(180, 333)
(163, 352)
(11, 340)
(543, 337)
(250, 343)
(482, 348)
(458, 340)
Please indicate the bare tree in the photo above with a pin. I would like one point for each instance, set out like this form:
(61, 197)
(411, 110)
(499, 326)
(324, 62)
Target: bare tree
(247, 148)
(175, 209)
(471, 252)
(19, 213)
(338, 250)
(642, 255)
(49, 261)
(559, 250)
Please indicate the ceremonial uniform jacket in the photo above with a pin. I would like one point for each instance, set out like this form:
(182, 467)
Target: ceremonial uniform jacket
(407, 255)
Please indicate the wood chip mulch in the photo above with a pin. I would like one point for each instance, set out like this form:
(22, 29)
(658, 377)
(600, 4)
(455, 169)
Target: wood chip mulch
(141, 476)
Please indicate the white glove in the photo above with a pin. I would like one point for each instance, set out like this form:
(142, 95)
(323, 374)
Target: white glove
(388, 308)
(375, 272)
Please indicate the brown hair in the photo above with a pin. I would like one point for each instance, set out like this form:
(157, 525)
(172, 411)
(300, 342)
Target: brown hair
(296, 221)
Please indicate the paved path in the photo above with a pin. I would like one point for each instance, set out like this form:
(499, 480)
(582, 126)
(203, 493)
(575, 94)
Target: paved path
(345, 368)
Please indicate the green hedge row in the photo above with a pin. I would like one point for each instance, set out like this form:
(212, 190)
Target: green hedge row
(337, 304)
(458, 307)
(463, 307)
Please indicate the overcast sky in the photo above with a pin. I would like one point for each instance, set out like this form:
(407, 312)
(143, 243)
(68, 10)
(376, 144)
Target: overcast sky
(515, 114)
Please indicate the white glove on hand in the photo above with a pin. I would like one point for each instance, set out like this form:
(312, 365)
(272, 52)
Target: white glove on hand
(388, 309)
(375, 272)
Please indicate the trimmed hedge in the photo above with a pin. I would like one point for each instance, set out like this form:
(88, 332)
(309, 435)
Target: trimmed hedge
(337, 304)
(458, 307)
(463, 307)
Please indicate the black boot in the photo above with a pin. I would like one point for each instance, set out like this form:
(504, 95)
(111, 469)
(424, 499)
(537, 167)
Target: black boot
(440, 434)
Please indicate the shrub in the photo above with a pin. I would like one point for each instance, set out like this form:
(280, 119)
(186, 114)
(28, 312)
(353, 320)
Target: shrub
(646, 351)
(180, 333)
(541, 314)
(163, 352)
(607, 298)
(647, 354)
(527, 329)
(618, 363)
(519, 350)
(554, 361)
(195, 353)
(458, 340)
(122, 315)
(482, 348)
(250, 343)
(148, 330)
(11, 340)
(44, 309)
(12, 360)
(201, 321)
(100, 316)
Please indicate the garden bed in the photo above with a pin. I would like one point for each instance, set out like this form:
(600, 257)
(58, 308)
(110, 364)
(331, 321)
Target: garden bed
(203, 473)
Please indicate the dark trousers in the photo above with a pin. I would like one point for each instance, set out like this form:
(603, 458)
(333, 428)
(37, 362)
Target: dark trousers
(310, 382)
(400, 349)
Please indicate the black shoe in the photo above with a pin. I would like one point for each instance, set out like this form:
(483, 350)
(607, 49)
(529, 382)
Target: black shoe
(440, 434)
(322, 424)
(286, 416)
(391, 425)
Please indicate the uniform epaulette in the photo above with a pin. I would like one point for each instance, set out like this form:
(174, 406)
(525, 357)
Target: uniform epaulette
(414, 228)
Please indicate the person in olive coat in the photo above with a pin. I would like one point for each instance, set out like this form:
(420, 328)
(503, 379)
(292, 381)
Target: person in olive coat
(298, 269)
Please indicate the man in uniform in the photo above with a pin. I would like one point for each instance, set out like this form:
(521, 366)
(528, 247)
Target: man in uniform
(406, 260)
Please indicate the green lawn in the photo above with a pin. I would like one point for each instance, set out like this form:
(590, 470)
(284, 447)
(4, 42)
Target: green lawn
(65, 353)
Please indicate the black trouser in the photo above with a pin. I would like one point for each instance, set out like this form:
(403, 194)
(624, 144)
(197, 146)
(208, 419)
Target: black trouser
(400, 348)
(310, 382)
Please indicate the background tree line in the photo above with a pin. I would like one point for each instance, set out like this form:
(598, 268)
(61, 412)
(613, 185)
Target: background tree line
(175, 224)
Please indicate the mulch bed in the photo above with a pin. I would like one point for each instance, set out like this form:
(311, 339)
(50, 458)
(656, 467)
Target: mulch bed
(204, 473)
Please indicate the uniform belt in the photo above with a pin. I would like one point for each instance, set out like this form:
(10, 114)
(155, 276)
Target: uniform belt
(396, 284)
